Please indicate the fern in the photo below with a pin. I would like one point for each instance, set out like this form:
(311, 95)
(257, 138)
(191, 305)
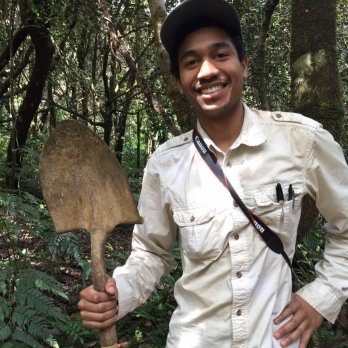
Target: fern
(30, 319)
(5, 331)
(26, 339)
(74, 330)
(31, 278)
(30, 300)
(69, 244)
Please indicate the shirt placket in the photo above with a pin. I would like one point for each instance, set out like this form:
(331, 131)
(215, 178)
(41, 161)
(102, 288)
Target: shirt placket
(239, 266)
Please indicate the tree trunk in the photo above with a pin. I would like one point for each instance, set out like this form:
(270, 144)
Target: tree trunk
(182, 109)
(260, 59)
(315, 82)
(44, 50)
(120, 129)
(109, 91)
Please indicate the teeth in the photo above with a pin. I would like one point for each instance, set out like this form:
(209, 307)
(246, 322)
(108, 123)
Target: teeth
(212, 89)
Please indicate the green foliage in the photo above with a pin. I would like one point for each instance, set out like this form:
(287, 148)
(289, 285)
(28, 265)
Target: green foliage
(147, 326)
(31, 300)
(28, 312)
(69, 246)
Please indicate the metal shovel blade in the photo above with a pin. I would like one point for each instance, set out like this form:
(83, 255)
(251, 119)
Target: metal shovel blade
(85, 187)
(82, 182)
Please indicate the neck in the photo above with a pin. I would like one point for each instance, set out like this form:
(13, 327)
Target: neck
(223, 131)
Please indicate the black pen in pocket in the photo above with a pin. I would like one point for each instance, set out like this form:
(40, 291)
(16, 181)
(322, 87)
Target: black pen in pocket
(280, 194)
(291, 195)
(280, 199)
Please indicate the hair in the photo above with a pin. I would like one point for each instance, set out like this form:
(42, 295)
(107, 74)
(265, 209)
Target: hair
(194, 25)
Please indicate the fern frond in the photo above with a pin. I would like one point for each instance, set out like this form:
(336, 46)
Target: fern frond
(67, 244)
(41, 303)
(38, 327)
(31, 323)
(32, 278)
(5, 274)
(28, 340)
(14, 345)
(52, 342)
(22, 315)
(73, 328)
(4, 310)
(5, 331)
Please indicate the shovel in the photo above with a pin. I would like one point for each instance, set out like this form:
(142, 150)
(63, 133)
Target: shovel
(84, 187)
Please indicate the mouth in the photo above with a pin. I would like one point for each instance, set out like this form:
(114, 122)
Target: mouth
(209, 90)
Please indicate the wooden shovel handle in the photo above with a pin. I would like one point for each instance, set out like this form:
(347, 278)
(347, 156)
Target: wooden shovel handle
(108, 336)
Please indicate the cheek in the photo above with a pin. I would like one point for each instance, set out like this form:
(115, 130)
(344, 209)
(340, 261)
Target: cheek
(185, 87)
(180, 89)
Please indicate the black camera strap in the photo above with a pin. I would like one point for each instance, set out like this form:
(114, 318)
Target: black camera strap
(270, 238)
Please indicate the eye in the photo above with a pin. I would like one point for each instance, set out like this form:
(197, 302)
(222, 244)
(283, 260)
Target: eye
(221, 55)
(190, 63)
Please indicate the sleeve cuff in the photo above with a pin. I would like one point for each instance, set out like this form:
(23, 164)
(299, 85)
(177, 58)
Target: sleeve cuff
(322, 299)
(126, 302)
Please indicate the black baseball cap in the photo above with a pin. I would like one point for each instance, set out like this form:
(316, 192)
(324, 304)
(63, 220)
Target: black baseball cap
(191, 14)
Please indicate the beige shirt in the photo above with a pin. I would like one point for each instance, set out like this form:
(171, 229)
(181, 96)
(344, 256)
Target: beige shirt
(233, 285)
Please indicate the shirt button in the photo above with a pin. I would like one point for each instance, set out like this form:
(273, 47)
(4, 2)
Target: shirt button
(192, 218)
(239, 312)
(229, 165)
(236, 236)
(239, 274)
(185, 139)
(278, 115)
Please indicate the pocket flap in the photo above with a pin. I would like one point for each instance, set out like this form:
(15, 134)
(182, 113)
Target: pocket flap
(193, 216)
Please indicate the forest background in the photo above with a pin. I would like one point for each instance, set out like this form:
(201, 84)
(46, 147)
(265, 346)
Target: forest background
(63, 59)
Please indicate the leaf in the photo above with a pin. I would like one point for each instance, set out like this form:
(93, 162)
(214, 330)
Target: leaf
(4, 310)
(5, 331)
(22, 336)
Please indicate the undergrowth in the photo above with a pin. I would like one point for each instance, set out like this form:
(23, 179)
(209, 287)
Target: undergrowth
(38, 310)
(32, 301)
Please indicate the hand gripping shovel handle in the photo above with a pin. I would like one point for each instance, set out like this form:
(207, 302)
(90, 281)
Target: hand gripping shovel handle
(108, 336)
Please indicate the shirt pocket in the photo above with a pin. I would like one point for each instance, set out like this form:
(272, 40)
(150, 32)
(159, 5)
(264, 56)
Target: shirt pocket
(198, 236)
(281, 217)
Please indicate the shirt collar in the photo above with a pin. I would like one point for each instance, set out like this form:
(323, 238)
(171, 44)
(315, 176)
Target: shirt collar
(251, 133)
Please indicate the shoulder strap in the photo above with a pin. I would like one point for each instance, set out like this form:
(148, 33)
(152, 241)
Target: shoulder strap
(270, 237)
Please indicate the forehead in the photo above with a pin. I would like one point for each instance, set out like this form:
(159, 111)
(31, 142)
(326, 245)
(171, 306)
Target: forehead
(204, 38)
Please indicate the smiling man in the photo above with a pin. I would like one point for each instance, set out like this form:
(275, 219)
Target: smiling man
(231, 191)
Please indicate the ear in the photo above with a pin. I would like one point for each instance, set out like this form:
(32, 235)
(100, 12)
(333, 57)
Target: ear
(245, 67)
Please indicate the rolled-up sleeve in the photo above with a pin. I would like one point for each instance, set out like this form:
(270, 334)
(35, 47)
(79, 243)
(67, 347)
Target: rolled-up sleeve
(327, 174)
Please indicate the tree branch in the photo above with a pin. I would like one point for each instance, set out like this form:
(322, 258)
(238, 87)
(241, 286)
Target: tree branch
(17, 71)
(18, 38)
(118, 47)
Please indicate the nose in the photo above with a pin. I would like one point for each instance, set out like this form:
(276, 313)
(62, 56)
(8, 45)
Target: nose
(207, 70)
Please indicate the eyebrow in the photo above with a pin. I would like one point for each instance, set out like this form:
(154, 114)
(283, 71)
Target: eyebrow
(220, 44)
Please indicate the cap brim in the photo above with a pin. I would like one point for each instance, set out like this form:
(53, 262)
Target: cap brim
(188, 11)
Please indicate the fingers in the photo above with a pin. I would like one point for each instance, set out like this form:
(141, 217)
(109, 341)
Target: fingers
(99, 321)
(98, 310)
(292, 331)
(287, 311)
(110, 286)
(304, 320)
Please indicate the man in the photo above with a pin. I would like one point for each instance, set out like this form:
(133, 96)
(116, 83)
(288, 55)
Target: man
(235, 291)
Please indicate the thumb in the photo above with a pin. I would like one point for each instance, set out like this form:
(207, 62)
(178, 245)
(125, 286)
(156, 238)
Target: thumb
(110, 286)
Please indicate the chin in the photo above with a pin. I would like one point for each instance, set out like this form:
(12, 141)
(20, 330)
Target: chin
(213, 112)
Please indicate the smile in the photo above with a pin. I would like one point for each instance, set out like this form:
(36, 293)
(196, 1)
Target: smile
(211, 90)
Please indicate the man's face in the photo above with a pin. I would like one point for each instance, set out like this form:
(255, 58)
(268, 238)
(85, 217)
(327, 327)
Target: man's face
(211, 74)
